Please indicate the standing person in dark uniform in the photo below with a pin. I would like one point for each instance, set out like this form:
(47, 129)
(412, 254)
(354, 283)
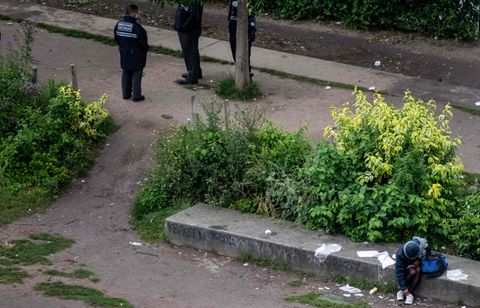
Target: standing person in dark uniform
(232, 29)
(133, 46)
(188, 23)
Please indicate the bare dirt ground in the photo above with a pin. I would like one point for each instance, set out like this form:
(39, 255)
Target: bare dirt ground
(406, 53)
(95, 210)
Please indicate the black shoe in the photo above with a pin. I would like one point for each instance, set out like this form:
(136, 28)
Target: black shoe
(127, 97)
(138, 99)
(185, 75)
(251, 77)
(186, 81)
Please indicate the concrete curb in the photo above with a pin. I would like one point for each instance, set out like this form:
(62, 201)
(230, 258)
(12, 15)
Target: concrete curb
(230, 233)
(263, 58)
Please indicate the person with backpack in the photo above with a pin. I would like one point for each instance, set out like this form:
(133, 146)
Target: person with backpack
(408, 260)
(133, 46)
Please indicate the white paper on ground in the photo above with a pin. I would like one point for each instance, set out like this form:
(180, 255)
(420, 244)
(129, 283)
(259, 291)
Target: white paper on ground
(367, 253)
(383, 257)
(323, 251)
(456, 275)
(350, 289)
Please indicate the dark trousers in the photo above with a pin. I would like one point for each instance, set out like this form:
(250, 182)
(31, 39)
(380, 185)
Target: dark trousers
(191, 55)
(232, 29)
(132, 80)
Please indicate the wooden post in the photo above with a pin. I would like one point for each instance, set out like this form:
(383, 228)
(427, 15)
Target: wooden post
(34, 74)
(192, 102)
(74, 76)
(241, 64)
(225, 110)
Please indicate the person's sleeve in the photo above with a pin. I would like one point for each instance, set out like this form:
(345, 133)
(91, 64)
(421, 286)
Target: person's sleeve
(143, 39)
(115, 32)
(400, 269)
(229, 11)
(193, 19)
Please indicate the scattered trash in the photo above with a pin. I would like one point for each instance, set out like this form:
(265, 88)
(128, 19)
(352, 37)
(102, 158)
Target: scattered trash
(327, 288)
(323, 251)
(372, 88)
(136, 244)
(7, 245)
(383, 257)
(347, 295)
(268, 232)
(358, 295)
(328, 87)
(320, 288)
(477, 104)
(374, 290)
(381, 297)
(456, 275)
(378, 63)
(83, 181)
(245, 264)
(463, 307)
(256, 288)
(350, 289)
(211, 81)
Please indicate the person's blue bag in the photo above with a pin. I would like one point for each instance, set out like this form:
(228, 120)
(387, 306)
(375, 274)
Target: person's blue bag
(434, 265)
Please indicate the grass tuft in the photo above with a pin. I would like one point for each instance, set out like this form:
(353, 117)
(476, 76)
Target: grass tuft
(10, 275)
(226, 89)
(75, 292)
(17, 204)
(328, 300)
(76, 274)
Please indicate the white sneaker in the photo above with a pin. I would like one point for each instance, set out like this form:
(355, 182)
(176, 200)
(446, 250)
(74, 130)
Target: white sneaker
(409, 299)
(400, 296)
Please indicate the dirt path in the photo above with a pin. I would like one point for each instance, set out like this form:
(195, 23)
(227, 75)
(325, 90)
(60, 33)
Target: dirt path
(408, 54)
(94, 211)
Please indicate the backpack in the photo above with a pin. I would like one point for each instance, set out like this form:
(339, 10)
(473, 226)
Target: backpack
(434, 264)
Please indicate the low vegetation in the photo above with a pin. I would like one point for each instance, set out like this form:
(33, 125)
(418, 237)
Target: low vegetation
(326, 300)
(384, 174)
(226, 89)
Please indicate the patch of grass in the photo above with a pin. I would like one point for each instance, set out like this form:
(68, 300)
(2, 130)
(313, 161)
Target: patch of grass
(28, 252)
(75, 292)
(245, 257)
(319, 82)
(472, 111)
(9, 275)
(226, 89)
(365, 284)
(295, 283)
(76, 274)
(328, 300)
(78, 34)
(10, 18)
(151, 227)
(17, 204)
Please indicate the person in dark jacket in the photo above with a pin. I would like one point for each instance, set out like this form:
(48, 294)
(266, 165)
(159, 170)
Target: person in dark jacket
(133, 46)
(232, 29)
(407, 267)
(188, 24)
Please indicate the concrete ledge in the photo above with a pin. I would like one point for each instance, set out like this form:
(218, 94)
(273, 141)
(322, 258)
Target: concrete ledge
(229, 233)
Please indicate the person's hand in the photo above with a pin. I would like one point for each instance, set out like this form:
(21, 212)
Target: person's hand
(417, 263)
(406, 292)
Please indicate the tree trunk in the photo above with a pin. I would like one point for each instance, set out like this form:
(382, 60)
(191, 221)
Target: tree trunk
(242, 66)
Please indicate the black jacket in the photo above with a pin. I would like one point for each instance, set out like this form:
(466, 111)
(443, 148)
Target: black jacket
(188, 18)
(133, 43)
(232, 19)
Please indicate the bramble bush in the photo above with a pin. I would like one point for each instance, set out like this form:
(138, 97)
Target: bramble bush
(385, 175)
(48, 134)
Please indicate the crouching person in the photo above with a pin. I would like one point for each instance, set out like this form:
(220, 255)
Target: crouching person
(408, 267)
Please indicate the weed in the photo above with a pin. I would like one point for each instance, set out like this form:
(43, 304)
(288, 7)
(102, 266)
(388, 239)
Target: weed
(16, 204)
(226, 89)
(328, 300)
(76, 292)
(76, 274)
(9, 275)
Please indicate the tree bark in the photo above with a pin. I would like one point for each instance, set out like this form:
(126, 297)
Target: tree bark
(241, 64)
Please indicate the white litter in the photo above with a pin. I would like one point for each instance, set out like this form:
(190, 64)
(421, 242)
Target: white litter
(136, 244)
(245, 264)
(358, 295)
(347, 295)
(327, 288)
(383, 257)
(350, 289)
(456, 275)
(323, 251)
(477, 104)
(378, 63)
(268, 232)
(372, 88)
(320, 288)
(328, 87)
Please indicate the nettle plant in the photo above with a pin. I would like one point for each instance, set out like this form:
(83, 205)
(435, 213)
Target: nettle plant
(406, 172)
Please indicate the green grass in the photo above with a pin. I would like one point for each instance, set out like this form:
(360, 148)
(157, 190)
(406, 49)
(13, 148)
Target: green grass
(328, 300)
(226, 89)
(365, 284)
(76, 274)
(33, 251)
(151, 228)
(10, 275)
(17, 204)
(76, 292)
